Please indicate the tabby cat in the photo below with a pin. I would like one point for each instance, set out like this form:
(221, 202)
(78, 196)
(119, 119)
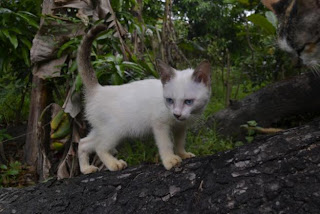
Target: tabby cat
(299, 28)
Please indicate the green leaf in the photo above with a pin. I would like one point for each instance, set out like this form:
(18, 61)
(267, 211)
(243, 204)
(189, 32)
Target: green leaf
(25, 56)
(186, 46)
(116, 79)
(13, 172)
(149, 67)
(119, 59)
(64, 47)
(13, 38)
(251, 132)
(245, 2)
(15, 165)
(110, 58)
(120, 70)
(3, 167)
(238, 143)
(138, 28)
(5, 10)
(73, 66)
(262, 22)
(134, 58)
(133, 66)
(14, 41)
(14, 29)
(249, 139)
(191, 46)
(78, 83)
(28, 19)
(272, 18)
(229, 1)
(26, 42)
(28, 13)
(252, 123)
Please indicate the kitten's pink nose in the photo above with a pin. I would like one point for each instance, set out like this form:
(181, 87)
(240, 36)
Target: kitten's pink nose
(177, 115)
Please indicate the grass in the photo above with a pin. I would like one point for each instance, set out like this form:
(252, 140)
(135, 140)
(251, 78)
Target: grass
(135, 152)
(205, 142)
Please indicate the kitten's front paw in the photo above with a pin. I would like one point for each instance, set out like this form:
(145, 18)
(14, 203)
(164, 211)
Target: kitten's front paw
(171, 161)
(186, 155)
(89, 169)
(117, 165)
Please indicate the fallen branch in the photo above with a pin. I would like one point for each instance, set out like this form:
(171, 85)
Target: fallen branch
(275, 174)
(293, 97)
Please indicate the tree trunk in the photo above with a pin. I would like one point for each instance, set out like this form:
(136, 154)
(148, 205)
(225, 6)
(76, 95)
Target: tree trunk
(37, 132)
(276, 174)
(296, 96)
(165, 33)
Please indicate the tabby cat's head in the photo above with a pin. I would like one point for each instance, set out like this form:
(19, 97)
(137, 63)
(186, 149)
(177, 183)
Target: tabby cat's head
(299, 28)
(187, 92)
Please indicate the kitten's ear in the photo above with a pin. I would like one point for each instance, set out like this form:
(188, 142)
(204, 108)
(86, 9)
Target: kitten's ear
(202, 73)
(166, 72)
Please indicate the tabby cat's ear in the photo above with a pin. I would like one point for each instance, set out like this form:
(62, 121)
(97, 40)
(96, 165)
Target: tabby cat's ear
(166, 72)
(270, 4)
(202, 73)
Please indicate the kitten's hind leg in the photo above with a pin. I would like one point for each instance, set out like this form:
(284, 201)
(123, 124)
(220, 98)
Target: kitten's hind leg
(162, 136)
(112, 163)
(179, 135)
(106, 149)
(85, 147)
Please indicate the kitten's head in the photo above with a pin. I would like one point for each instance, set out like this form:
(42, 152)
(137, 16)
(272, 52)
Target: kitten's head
(299, 28)
(186, 92)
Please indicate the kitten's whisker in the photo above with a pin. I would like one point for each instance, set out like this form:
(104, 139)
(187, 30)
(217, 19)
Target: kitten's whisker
(315, 70)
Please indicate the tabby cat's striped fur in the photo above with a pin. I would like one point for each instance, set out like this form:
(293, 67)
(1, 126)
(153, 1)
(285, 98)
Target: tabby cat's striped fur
(299, 28)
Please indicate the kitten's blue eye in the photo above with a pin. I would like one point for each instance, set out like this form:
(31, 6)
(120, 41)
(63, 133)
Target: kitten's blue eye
(169, 100)
(188, 102)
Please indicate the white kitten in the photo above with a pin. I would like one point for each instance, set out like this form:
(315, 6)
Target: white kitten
(133, 110)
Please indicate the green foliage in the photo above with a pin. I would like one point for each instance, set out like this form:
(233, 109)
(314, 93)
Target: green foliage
(4, 135)
(240, 30)
(9, 174)
(110, 68)
(263, 22)
(17, 29)
(16, 32)
(12, 91)
(251, 132)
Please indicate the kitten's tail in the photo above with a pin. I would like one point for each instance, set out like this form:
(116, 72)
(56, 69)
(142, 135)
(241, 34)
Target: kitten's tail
(83, 57)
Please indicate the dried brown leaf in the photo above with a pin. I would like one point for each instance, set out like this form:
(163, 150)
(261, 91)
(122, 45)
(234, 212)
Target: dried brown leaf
(72, 104)
(67, 167)
(49, 69)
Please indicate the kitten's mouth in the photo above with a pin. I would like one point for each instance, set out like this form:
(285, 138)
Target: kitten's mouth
(181, 119)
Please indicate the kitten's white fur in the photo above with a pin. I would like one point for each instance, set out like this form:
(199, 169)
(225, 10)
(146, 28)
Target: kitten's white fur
(140, 108)
(137, 109)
